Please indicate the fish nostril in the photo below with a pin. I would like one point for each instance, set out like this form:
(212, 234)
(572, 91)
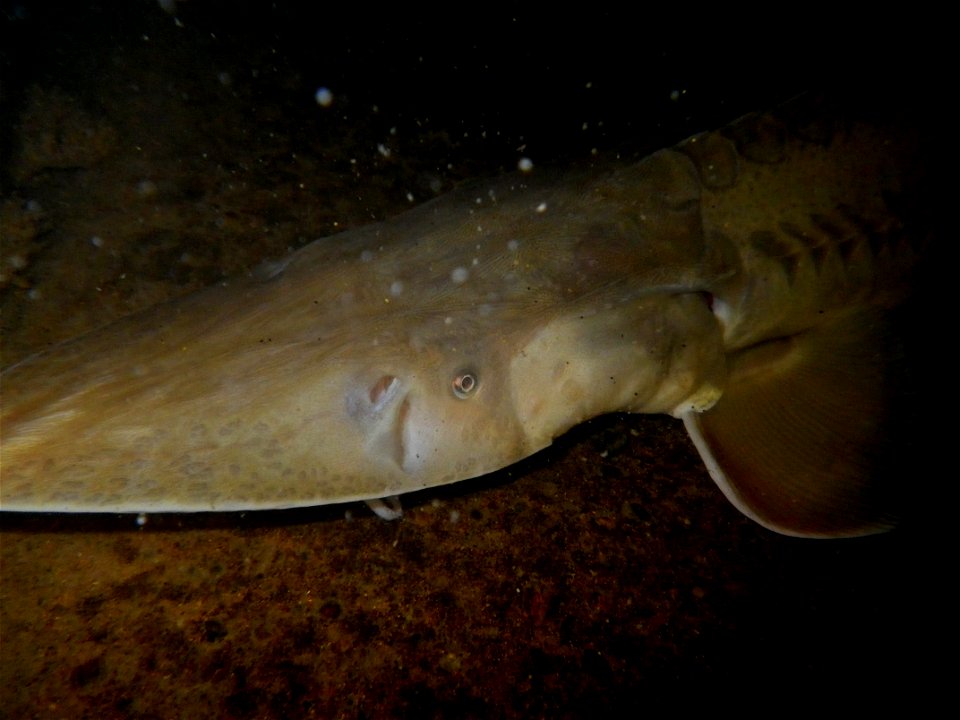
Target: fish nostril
(380, 389)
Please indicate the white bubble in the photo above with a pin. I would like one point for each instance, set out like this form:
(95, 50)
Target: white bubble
(146, 188)
(525, 164)
(542, 207)
(459, 275)
(324, 97)
(396, 288)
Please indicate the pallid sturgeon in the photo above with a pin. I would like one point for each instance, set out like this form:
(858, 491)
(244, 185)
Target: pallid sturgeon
(743, 281)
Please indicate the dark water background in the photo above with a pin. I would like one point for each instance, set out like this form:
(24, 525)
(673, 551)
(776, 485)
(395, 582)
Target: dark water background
(146, 154)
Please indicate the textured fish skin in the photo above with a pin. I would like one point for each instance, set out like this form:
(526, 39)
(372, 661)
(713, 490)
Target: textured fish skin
(722, 281)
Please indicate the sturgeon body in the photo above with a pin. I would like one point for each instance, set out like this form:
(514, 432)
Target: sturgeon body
(744, 281)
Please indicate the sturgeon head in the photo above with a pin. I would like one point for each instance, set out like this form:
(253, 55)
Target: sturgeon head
(442, 345)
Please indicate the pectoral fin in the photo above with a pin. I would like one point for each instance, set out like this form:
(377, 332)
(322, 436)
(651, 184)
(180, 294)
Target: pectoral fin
(806, 438)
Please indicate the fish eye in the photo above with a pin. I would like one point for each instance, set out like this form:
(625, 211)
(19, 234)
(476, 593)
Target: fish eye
(465, 384)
